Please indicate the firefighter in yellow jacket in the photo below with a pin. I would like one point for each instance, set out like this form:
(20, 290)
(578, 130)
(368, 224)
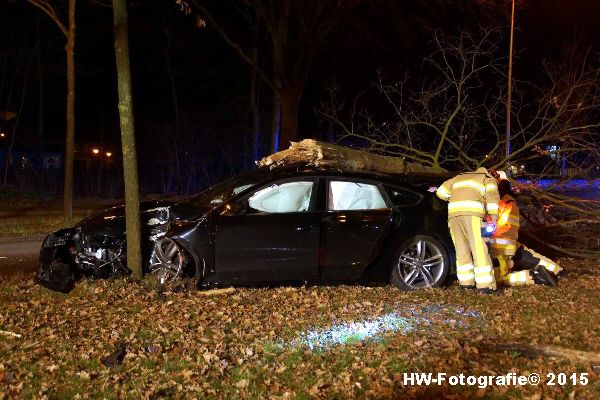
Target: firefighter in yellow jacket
(505, 248)
(471, 196)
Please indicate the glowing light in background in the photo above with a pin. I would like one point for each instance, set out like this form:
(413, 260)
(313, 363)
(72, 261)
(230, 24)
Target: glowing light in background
(95, 151)
(375, 328)
(108, 154)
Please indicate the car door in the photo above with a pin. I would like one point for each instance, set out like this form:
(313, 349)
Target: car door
(354, 226)
(270, 235)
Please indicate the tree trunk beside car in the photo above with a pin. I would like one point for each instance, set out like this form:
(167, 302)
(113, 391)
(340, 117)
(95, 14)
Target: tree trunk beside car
(132, 195)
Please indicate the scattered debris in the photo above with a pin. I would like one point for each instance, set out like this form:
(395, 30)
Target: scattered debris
(8, 333)
(117, 356)
(194, 345)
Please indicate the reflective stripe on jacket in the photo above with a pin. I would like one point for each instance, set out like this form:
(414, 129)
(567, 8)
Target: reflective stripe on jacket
(504, 240)
(471, 193)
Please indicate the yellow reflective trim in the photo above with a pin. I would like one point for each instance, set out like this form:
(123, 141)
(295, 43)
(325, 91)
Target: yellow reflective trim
(504, 246)
(465, 277)
(492, 206)
(471, 185)
(519, 278)
(490, 187)
(483, 270)
(464, 268)
(443, 193)
(550, 266)
(466, 204)
(469, 210)
(508, 250)
(504, 241)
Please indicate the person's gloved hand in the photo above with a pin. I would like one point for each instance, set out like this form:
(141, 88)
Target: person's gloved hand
(432, 189)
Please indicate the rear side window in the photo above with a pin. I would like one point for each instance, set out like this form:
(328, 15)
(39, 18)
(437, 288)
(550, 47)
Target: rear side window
(401, 197)
(283, 198)
(354, 196)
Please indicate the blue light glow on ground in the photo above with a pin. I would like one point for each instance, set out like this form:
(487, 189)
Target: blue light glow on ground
(375, 328)
(355, 331)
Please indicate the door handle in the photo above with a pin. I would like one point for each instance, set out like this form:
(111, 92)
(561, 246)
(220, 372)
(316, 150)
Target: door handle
(335, 218)
(306, 228)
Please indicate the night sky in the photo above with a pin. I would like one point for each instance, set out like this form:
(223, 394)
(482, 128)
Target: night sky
(212, 82)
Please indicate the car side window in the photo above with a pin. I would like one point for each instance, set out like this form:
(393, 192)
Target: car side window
(402, 197)
(282, 198)
(354, 196)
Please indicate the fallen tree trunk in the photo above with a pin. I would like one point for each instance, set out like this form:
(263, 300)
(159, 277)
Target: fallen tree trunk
(320, 154)
(215, 292)
(532, 351)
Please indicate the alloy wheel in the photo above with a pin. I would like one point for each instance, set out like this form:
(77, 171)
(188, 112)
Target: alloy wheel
(167, 261)
(421, 264)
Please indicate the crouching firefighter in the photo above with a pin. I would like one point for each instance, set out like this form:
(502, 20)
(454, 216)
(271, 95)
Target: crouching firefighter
(507, 251)
(471, 196)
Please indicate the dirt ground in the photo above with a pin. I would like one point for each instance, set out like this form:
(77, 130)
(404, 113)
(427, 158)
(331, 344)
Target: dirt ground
(309, 342)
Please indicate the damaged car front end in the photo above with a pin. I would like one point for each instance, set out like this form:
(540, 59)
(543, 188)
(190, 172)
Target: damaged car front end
(96, 247)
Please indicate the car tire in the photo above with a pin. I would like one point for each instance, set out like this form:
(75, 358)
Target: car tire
(171, 261)
(420, 262)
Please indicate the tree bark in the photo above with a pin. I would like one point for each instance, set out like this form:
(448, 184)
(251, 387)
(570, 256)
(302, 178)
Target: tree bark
(40, 71)
(254, 109)
(132, 196)
(254, 101)
(16, 125)
(69, 33)
(70, 140)
(320, 154)
(290, 101)
(276, 121)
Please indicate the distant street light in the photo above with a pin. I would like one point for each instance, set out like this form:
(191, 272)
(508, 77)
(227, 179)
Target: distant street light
(95, 151)
(2, 134)
(509, 90)
(108, 154)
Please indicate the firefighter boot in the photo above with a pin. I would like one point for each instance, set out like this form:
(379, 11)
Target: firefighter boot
(541, 276)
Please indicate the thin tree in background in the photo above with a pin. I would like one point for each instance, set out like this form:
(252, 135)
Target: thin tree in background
(132, 194)
(295, 30)
(69, 32)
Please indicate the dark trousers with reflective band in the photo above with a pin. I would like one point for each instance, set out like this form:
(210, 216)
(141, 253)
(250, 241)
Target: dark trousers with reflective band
(524, 258)
(538, 259)
(473, 263)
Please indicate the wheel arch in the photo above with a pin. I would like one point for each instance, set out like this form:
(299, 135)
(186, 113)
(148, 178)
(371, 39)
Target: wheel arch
(197, 259)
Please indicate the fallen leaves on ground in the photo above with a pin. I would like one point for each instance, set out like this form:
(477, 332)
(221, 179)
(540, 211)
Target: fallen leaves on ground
(258, 343)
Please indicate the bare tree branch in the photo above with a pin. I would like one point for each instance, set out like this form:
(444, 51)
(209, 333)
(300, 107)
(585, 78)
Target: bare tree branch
(47, 8)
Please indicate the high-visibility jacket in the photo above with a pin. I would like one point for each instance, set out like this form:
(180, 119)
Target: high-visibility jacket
(504, 240)
(471, 193)
(508, 218)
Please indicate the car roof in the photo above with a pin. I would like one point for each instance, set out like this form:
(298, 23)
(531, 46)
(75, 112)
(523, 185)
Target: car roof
(412, 178)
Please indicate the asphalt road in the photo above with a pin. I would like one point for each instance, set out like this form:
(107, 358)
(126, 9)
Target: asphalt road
(19, 254)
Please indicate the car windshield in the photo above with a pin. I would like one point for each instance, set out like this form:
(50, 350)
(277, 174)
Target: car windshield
(223, 191)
